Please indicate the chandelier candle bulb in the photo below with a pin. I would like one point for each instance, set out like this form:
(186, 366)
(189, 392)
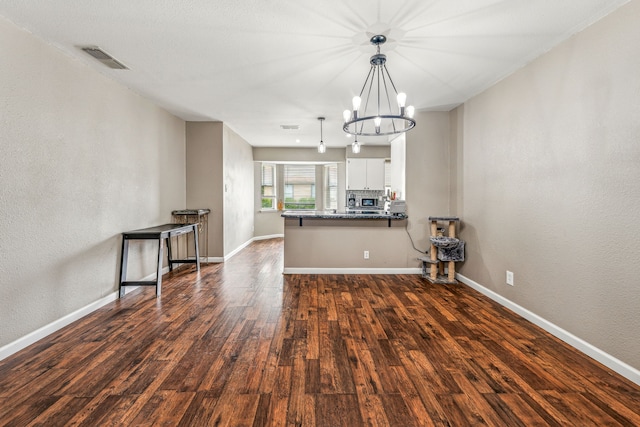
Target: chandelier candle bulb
(402, 99)
(356, 106)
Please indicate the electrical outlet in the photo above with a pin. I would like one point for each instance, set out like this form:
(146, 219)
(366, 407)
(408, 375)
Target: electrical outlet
(366, 254)
(509, 277)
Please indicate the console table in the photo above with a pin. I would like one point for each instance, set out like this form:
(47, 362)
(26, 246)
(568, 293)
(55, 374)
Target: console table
(161, 233)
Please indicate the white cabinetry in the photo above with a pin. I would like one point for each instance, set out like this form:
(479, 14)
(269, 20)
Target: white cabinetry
(365, 174)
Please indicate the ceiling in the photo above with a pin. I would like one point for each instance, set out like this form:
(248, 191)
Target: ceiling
(260, 64)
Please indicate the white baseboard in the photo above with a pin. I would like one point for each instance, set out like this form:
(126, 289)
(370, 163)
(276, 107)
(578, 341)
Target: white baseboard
(270, 236)
(247, 243)
(27, 340)
(238, 249)
(606, 359)
(303, 270)
(32, 337)
(590, 350)
(38, 334)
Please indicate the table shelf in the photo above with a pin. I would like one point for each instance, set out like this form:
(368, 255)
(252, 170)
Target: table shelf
(201, 218)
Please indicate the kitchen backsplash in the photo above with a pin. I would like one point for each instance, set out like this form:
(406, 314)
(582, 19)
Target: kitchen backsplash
(354, 197)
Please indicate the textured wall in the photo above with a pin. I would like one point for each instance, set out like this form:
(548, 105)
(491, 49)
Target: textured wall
(220, 178)
(238, 191)
(282, 154)
(205, 179)
(427, 169)
(549, 161)
(82, 160)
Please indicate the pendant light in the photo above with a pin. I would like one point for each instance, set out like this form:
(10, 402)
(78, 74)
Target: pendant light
(355, 147)
(322, 148)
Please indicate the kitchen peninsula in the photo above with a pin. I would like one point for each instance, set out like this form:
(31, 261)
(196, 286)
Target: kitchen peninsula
(346, 242)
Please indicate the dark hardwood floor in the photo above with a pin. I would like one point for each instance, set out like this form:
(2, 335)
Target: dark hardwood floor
(239, 344)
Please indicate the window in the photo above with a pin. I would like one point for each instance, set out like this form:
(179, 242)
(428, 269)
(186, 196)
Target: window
(331, 186)
(268, 186)
(299, 186)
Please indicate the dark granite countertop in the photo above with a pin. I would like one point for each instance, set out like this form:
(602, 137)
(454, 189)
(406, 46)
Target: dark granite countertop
(343, 215)
(191, 212)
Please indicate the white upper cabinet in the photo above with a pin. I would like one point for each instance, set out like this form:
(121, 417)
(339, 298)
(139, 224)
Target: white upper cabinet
(365, 174)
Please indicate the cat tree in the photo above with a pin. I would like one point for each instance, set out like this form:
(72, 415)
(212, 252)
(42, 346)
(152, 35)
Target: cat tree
(444, 249)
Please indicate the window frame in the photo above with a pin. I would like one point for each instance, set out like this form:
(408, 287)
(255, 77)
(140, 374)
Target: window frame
(274, 186)
(328, 175)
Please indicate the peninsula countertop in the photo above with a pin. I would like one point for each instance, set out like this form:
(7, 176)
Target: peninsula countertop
(317, 242)
(332, 214)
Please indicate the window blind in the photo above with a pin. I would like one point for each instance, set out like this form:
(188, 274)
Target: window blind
(299, 186)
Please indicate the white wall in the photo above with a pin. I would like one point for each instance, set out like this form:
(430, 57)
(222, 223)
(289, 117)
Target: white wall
(548, 162)
(82, 160)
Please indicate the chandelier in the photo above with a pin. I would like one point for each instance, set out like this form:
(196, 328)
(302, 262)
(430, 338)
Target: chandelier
(378, 117)
(322, 148)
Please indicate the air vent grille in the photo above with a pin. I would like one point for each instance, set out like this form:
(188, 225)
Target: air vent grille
(289, 127)
(104, 57)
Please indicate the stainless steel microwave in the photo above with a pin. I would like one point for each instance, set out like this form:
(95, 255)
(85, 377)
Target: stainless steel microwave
(369, 202)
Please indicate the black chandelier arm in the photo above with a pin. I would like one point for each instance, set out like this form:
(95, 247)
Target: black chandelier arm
(378, 89)
(366, 80)
(386, 91)
(366, 104)
(390, 79)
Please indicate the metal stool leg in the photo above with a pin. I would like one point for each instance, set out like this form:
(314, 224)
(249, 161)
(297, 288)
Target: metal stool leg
(123, 265)
(159, 272)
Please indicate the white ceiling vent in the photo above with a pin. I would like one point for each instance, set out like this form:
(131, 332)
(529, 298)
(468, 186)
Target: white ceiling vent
(104, 57)
(290, 127)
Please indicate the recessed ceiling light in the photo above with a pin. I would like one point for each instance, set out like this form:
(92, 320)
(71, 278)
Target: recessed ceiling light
(297, 140)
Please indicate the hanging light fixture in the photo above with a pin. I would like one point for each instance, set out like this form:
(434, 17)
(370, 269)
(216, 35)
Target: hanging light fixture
(378, 117)
(321, 148)
(355, 147)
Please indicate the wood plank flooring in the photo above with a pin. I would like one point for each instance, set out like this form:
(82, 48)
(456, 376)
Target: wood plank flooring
(239, 344)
